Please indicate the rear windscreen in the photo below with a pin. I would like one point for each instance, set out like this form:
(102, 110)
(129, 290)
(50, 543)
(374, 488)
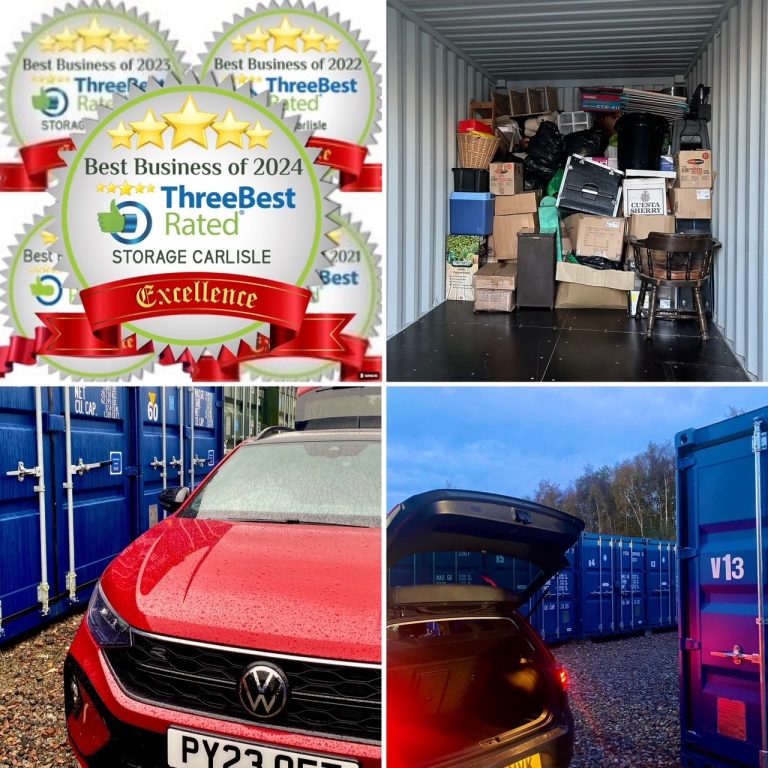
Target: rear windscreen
(463, 567)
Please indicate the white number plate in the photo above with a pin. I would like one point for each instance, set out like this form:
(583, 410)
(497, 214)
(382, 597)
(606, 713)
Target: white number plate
(187, 749)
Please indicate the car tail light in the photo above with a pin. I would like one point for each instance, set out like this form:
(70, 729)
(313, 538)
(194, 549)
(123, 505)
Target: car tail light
(562, 677)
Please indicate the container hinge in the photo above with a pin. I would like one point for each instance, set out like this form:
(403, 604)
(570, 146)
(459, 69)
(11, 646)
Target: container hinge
(71, 582)
(763, 759)
(131, 471)
(42, 597)
(759, 441)
(687, 553)
(689, 644)
(761, 622)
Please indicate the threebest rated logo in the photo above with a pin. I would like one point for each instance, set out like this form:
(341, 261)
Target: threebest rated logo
(130, 222)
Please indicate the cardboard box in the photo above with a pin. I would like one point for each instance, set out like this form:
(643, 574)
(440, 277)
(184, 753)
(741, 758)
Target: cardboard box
(694, 169)
(641, 226)
(513, 205)
(598, 278)
(505, 229)
(494, 300)
(575, 296)
(506, 178)
(644, 196)
(691, 203)
(500, 275)
(464, 255)
(596, 235)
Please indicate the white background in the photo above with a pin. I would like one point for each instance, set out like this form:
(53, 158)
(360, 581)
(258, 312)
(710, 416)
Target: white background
(192, 25)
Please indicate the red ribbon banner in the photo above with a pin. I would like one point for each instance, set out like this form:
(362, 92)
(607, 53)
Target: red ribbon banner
(349, 159)
(97, 332)
(31, 174)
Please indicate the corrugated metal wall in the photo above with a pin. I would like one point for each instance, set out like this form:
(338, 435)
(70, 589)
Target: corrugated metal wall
(424, 101)
(734, 65)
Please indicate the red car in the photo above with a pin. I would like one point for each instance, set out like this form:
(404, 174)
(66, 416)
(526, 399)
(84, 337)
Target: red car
(245, 630)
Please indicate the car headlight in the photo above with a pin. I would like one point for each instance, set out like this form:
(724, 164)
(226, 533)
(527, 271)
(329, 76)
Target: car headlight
(107, 628)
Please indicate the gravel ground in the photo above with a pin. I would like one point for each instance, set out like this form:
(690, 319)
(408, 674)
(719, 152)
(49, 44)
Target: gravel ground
(32, 730)
(624, 696)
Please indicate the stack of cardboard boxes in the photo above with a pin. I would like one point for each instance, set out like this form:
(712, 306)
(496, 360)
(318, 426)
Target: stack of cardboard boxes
(670, 200)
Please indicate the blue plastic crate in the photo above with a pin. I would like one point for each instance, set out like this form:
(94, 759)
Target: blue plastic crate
(472, 213)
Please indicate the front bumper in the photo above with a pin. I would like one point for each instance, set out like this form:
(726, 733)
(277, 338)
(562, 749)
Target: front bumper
(136, 731)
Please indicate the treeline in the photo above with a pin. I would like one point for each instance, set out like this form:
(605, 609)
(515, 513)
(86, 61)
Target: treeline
(635, 497)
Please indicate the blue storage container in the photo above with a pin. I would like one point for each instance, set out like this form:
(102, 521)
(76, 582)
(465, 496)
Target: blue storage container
(722, 504)
(60, 528)
(556, 616)
(660, 581)
(631, 563)
(597, 585)
(472, 213)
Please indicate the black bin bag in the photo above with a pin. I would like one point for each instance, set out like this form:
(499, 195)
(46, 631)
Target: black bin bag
(545, 155)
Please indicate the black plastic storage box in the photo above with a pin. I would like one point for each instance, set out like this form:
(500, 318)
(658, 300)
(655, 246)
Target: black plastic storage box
(471, 180)
(590, 187)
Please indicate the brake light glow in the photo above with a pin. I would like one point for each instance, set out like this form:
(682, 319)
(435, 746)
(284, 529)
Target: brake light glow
(562, 677)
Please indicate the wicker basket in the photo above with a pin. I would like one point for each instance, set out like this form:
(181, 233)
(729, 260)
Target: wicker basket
(476, 151)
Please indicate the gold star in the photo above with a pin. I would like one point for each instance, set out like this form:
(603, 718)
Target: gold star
(47, 43)
(140, 43)
(48, 237)
(51, 79)
(121, 136)
(121, 40)
(238, 43)
(258, 136)
(99, 187)
(312, 40)
(230, 130)
(125, 187)
(111, 188)
(94, 36)
(190, 124)
(285, 35)
(151, 188)
(257, 40)
(335, 235)
(140, 188)
(332, 44)
(242, 79)
(65, 41)
(149, 130)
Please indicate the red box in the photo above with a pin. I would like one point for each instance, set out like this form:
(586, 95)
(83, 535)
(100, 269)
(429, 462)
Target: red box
(465, 126)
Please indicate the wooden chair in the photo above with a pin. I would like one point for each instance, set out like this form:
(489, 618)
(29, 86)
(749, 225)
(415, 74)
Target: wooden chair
(678, 261)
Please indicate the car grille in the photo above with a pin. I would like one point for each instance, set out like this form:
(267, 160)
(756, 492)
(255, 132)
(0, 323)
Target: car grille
(326, 698)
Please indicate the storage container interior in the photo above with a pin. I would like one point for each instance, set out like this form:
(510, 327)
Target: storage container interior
(547, 50)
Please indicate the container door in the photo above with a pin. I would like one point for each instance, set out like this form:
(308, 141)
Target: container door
(403, 574)
(202, 432)
(630, 563)
(159, 455)
(598, 565)
(720, 661)
(104, 476)
(21, 559)
(658, 584)
(558, 607)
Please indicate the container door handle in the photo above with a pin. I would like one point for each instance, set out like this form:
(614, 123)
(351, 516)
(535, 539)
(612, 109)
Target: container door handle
(156, 463)
(174, 462)
(21, 472)
(81, 467)
(738, 655)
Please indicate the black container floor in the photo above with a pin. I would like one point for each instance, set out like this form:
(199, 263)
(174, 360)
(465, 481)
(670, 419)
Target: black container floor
(452, 343)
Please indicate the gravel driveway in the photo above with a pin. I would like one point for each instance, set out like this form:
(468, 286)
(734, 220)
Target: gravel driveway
(32, 730)
(624, 696)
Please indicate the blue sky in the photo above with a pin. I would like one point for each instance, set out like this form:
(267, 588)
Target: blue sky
(506, 440)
